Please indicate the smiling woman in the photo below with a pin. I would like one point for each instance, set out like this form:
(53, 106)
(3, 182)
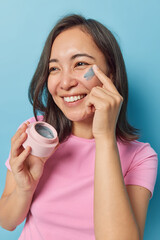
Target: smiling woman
(98, 181)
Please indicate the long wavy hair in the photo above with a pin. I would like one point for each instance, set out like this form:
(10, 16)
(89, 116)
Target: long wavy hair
(42, 100)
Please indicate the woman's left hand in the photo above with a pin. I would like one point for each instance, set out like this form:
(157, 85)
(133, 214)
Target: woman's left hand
(106, 103)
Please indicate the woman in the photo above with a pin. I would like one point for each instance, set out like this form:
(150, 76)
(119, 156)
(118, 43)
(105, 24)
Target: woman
(98, 182)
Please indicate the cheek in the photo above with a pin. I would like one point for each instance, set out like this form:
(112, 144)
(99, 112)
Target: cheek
(88, 83)
(96, 82)
(51, 85)
(93, 82)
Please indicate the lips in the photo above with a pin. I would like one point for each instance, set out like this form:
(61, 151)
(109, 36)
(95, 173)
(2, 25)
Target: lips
(74, 98)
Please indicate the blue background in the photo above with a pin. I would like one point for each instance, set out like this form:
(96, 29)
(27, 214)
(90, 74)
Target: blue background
(24, 26)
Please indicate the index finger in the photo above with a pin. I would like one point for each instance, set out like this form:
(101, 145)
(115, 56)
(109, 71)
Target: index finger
(106, 81)
(21, 129)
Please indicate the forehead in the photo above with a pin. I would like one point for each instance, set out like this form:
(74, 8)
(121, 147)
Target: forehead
(74, 38)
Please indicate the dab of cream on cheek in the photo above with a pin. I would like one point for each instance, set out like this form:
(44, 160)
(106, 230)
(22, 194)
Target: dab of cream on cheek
(88, 75)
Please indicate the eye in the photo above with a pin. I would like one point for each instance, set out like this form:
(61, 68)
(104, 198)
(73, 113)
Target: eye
(79, 64)
(53, 69)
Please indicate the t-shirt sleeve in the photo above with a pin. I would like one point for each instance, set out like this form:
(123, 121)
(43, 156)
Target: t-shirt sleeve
(7, 163)
(31, 120)
(143, 168)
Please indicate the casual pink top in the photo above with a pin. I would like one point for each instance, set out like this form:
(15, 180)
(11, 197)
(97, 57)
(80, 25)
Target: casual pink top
(62, 206)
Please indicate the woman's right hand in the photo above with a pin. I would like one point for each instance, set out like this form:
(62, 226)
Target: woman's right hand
(26, 168)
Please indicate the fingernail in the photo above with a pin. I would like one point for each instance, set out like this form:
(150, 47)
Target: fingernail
(23, 125)
(28, 148)
(95, 67)
(22, 135)
(88, 75)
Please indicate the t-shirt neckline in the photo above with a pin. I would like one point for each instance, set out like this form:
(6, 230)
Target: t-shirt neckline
(82, 139)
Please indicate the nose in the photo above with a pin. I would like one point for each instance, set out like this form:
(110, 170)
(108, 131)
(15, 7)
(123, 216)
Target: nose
(68, 80)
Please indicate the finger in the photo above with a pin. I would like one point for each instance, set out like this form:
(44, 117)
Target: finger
(102, 92)
(106, 81)
(20, 131)
(17, 165)
(111, 99)
(101, 99)
(25, 153)
(90, 107)
(95, 104)
(15, 148)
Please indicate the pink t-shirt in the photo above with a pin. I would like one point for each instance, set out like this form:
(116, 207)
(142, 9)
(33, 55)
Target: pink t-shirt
(62, 206)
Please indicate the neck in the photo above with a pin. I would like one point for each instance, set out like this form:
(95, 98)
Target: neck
(83, 129)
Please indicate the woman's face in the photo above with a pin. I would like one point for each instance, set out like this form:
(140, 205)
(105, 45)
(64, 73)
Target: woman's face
(73, 53)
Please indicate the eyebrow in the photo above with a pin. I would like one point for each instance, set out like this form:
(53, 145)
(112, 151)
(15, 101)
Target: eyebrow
(74, 56)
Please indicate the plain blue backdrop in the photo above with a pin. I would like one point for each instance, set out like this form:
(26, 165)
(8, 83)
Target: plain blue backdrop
(24, 26)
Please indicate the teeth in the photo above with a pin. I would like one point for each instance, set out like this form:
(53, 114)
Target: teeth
(73, 98)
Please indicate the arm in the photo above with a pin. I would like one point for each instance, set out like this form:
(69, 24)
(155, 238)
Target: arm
(14, 204)
(115, 212)
(119, 212)
(21, 182)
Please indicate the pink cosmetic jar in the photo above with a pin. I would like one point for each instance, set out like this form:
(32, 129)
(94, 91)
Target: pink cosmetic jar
(42, 138)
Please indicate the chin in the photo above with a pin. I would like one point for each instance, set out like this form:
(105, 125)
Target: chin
(80, 117)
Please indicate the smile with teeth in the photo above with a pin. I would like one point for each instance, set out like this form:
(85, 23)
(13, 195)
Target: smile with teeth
(74, 98)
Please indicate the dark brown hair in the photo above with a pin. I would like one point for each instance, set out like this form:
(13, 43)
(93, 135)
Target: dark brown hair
(40, 97)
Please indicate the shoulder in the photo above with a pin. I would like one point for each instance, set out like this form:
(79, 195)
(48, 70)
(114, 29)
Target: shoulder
(139, 164)
(138, 158)
(136, 149)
